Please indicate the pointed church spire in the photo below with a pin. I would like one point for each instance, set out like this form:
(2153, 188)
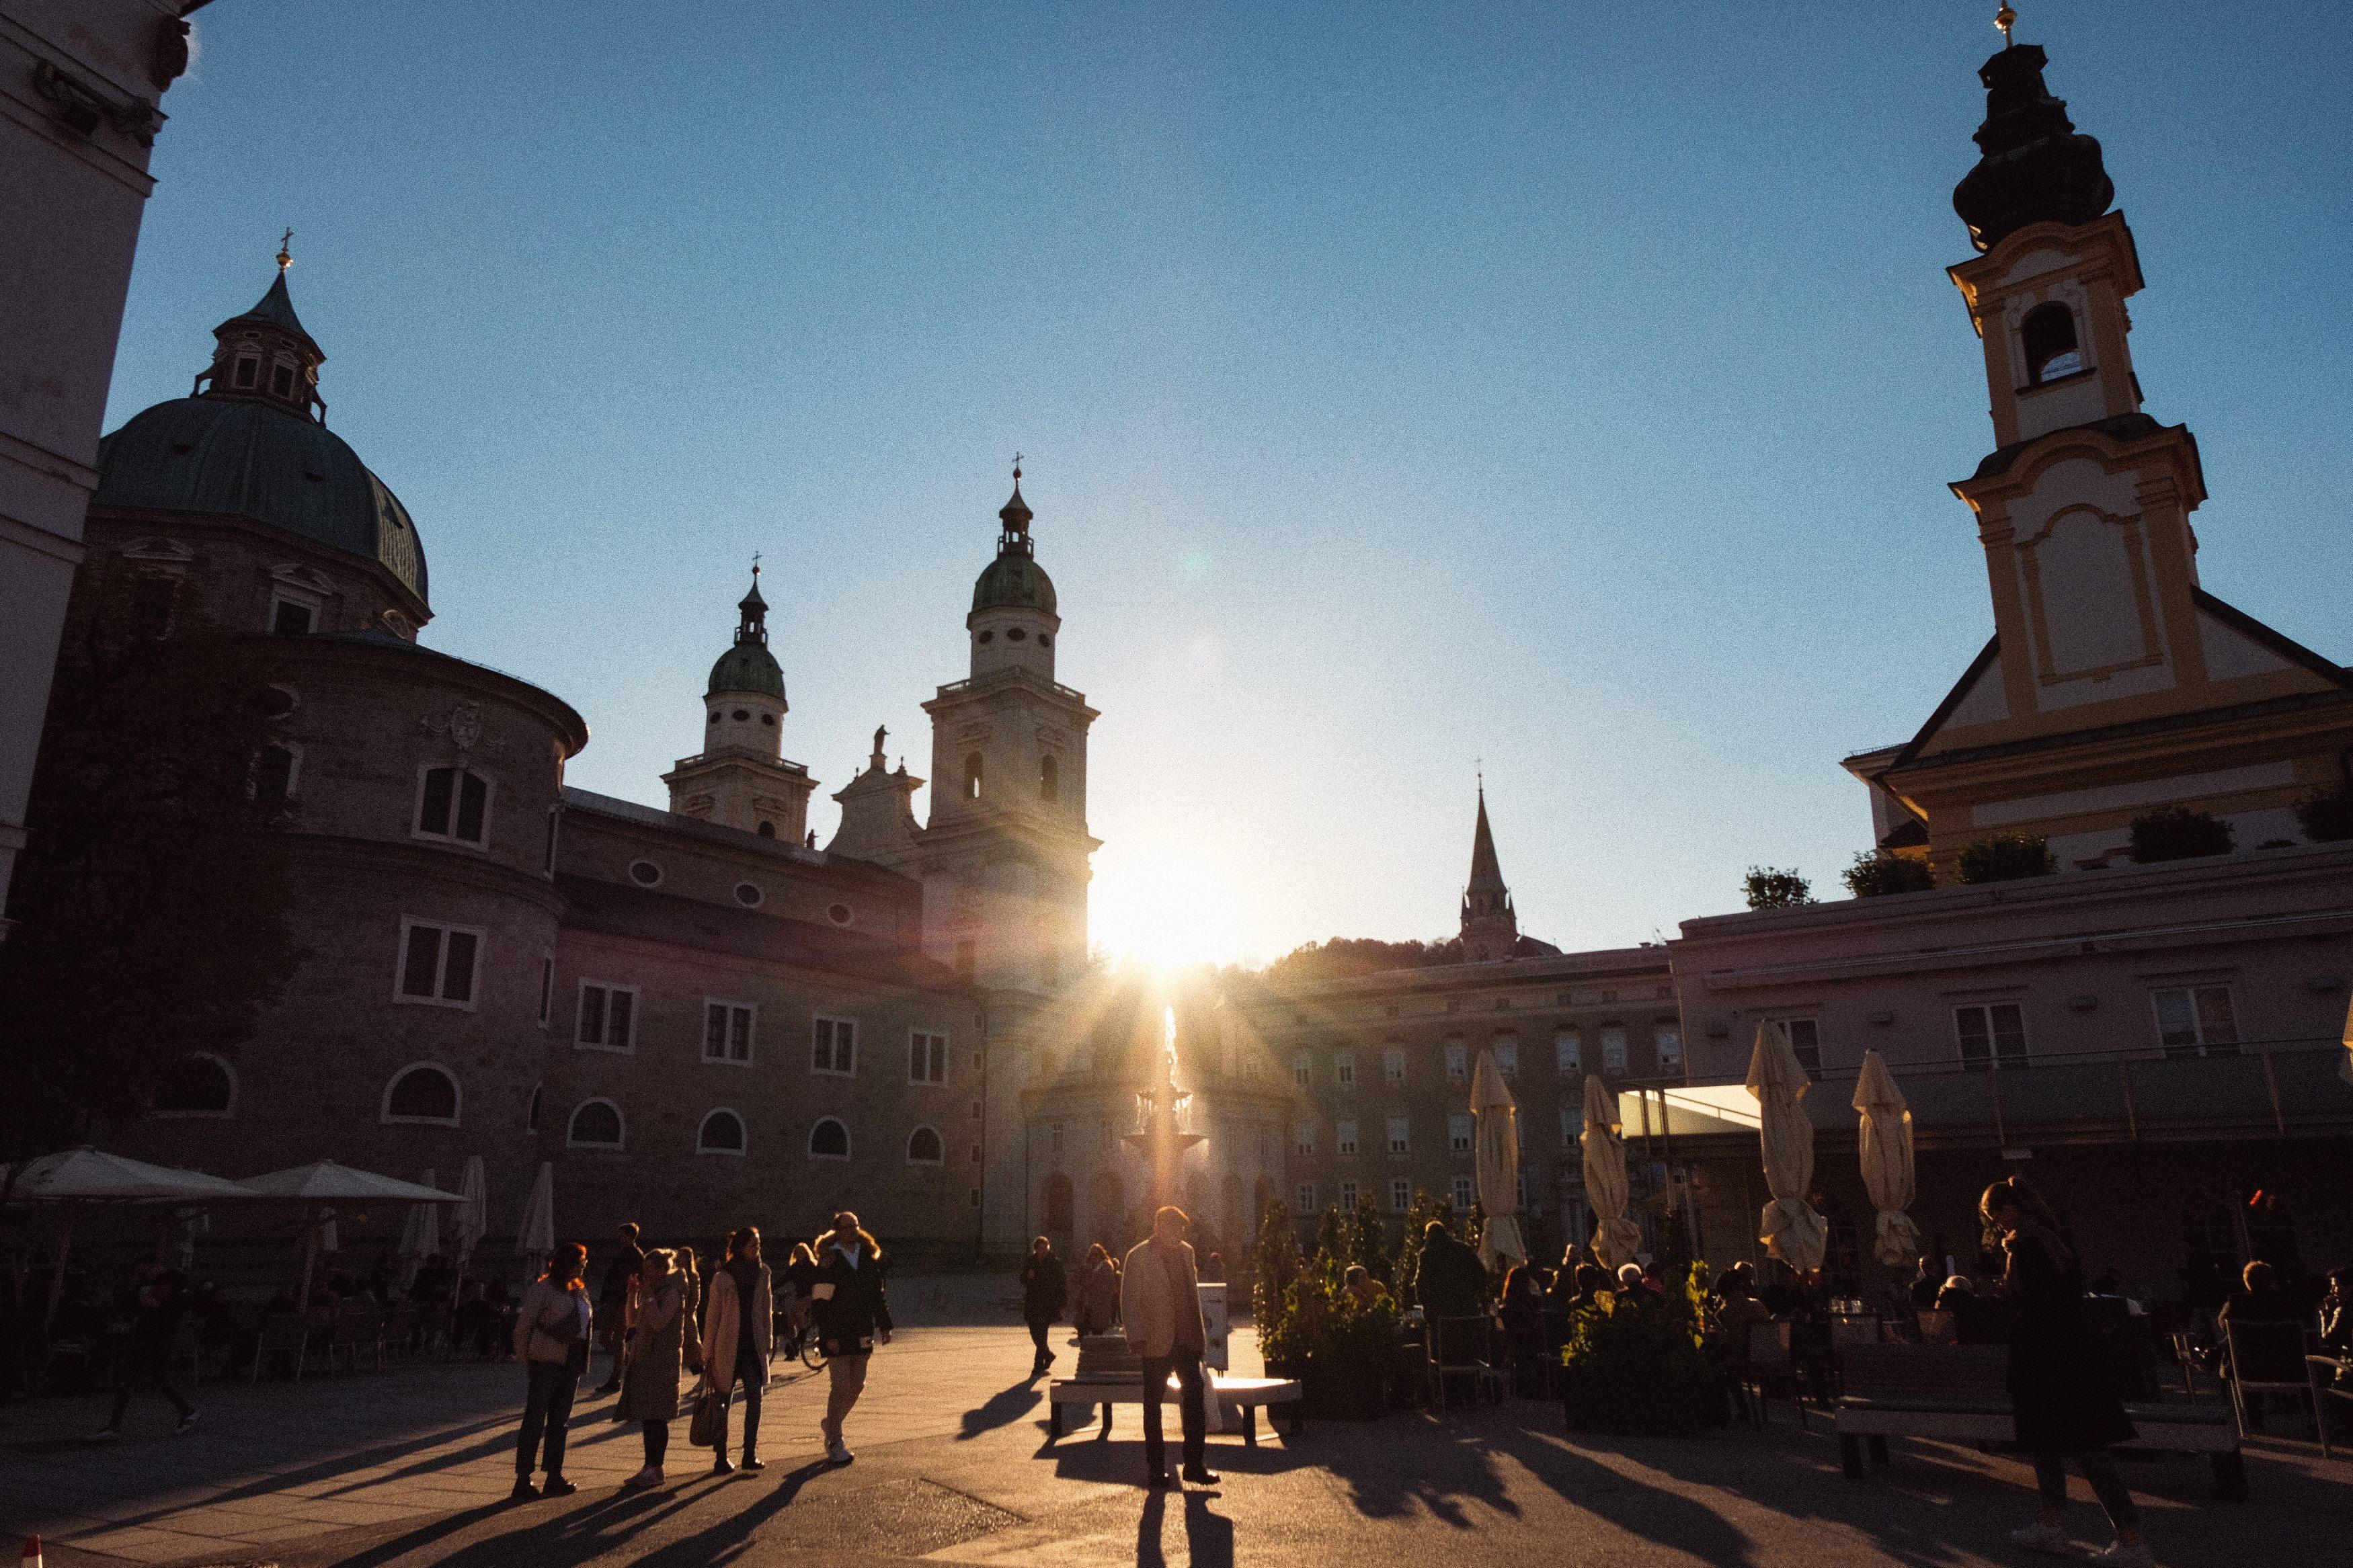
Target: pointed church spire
(1484, 871)
(1491, 928)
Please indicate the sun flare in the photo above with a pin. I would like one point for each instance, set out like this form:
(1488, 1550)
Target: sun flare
(1161, 912)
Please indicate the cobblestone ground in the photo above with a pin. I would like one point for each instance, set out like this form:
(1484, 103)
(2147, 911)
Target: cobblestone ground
(412, 1467)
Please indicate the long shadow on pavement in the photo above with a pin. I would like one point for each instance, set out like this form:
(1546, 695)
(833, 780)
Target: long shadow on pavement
(1440, 1467)
(1001, 1409)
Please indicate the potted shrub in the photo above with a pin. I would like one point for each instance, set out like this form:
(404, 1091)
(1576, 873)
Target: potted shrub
(1634, 1365)
(2005, 857)
(2177, 833)
(1876, 873)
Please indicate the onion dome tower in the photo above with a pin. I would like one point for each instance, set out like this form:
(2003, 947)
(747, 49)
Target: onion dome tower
(2036, 167)
(739, 778)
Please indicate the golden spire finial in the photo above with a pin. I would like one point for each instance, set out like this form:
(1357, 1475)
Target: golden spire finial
(2005, 19)
(285, 250)
(1017, 468)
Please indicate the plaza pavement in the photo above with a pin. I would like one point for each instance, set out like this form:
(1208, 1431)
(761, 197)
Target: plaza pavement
(412, 1467)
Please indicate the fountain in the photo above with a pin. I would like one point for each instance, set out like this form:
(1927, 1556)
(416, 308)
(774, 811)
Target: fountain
(1160, 1136)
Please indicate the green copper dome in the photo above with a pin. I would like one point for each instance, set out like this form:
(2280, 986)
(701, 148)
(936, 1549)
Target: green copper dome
(241, 458)
(1014, 580)
(749, 667)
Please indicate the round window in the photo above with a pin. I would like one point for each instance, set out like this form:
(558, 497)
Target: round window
(1014, 635)
(740, 715)
(1045, 639)
(747, 895)
(839, 914)
(645, 873)
(769, 720)
(987, 637)
(714, 715)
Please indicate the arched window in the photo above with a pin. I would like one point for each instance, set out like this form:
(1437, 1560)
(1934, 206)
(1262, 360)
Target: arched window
(596, 1124)
(829, 1140)
(453, 803)
(422, 1091)
(2049, 336)
(200, 1084)
(721, 1133)
(924, 1148)
(1049, 778)
(972, 775)
(767, 830)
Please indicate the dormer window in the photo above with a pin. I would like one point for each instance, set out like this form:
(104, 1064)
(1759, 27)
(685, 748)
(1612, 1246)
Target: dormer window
(2049, 338)
(248, 370)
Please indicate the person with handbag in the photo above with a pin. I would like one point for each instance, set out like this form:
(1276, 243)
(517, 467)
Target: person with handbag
(551, 1339)
(657, 1347)
(852, 1314)
(737, 1341)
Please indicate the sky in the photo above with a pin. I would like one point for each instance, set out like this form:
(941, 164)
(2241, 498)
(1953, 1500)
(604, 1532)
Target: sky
(1569, 391)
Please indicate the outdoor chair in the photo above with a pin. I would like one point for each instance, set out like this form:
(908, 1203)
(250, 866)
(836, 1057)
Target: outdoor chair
(2328, 1378)
(399, 1333)
(1462, 1347)
(188, 1347)
(283, 1339)
(1771, 1370)
(2259, 1359)
(1938, 1327)
(433, 1320)
(2191, 1358)
(357, 1332)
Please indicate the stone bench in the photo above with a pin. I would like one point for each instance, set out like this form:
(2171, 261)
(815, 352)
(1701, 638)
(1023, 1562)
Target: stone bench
(1242, 1396)
(1960, 1394)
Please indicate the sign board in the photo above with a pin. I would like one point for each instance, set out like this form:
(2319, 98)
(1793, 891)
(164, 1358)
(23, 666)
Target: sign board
(1215, 1322)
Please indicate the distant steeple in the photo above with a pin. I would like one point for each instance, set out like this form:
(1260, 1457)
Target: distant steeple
(1491, 928)
(265, 355)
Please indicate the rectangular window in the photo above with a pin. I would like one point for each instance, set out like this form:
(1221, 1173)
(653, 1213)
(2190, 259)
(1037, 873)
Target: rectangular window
(1457, 1061)
(1306, 1196)
(1344, 1069)
(1520, 1191)
(291, 618)
(555, 819)
(151, 605)
(833, 1047)
(453, 803)
(608, 1016)
(249, 372)
(281, 379)
(1302, 1139)
(1344, 1136)
(1613, 1048)
(275, 770)
(1302, 1071)
(927, 1057)
(1669, 1040)
(438, 962)
(1992, 1035)
(1393, 1067)
(1348, 1198)
(726, 1031)
(1400, 1135)
(2196, 1020)
(1459, 1129)
(1400, 1196)
(1507, 1055)
(1572, 1122)
(1568, 1052)
(1462, 1193)
(1805, 1040)
(547, 987)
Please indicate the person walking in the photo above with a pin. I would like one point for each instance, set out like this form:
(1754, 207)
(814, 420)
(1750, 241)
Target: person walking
(690, 1281)
(613, 1296)
(800, 1278)
(852, 1316)
(1160, 1302)
(551, 1340)
(1098, 1292)
(2062, 1408)
(1045, 1290)
(737, 1340)
(162, 1303)
(657, 1350)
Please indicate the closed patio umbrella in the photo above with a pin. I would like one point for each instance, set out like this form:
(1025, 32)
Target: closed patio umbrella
(1615, 1236)
(1498, 1164)
(471, 1217)
(420, 1232)
(1886, 1142)
(536, 1232)
(1791, 1230)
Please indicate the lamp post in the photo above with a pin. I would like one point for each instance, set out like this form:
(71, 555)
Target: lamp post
(1160, 1136)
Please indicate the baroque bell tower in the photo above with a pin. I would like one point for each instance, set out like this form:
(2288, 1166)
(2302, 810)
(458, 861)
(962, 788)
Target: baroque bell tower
(739, 778)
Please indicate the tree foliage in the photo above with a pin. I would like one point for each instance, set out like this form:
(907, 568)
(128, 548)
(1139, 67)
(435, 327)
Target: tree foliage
(2327, 815)
(1875, 873)
(1776, 888)
(151, 900)
(2179, 833)
(2005, 857)
(1368, 1238)
(1274, 1264)
(1345, 955)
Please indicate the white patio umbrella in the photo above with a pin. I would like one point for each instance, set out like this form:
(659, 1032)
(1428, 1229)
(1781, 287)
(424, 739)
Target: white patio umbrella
(420, 1232)
(470, 1218)
(1791, 1230)
(1615, 1236)
(1498, 1164)
(324, 1184)
(1886, 1142)
(74, 1178)
(536, 1232)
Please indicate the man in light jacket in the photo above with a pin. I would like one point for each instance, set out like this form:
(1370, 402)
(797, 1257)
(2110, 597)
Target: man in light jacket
(1160, 1302)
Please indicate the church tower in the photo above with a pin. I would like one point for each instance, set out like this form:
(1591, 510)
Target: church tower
(1491, 927)
(2114, 684)
(740, 779)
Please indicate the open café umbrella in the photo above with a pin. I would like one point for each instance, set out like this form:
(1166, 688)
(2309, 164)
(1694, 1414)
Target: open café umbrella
(536, 1232)
(1498, 1164)
(1615, 1236)
(320, 1186)
(1886, 1142)
(470, 1218)
(74, 1178)
(420, 1232)
(1790, 1229)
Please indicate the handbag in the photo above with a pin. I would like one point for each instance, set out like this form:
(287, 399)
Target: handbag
(710, 1412)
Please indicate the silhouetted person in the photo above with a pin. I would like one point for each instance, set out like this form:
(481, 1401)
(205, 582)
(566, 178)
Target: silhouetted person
(162, 1301)
(1045, 1290)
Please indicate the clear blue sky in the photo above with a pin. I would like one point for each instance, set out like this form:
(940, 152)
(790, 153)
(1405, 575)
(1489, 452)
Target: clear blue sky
(1570, 385)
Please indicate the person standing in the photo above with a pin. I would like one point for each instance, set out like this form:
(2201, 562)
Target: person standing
(551, 1340)
(613, 1296)
(162, 1303)
(737, 1340)
(657, 1348)
(852, 1315)
(1044, 1291)
(2062, 1406)
(1098, 1292)
(689, 1281)
(1160, 1302)
(800, 1278)
(1448, 1279)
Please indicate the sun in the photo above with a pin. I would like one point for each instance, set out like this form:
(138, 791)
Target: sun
(1161, 912)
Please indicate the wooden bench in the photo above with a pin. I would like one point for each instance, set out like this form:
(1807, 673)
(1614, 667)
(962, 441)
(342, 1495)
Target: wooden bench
(1960, 1394)
(1242, 1396)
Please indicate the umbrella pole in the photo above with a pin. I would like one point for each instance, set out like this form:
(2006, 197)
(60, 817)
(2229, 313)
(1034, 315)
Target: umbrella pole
(310, 1257)
(57, 1275)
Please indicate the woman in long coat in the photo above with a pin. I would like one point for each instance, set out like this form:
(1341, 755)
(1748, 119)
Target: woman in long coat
(2062, 1406)
(657, 1346)
(737, 1338)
